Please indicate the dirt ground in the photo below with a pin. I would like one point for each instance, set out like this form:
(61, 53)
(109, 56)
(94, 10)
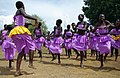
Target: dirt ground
(69, 68)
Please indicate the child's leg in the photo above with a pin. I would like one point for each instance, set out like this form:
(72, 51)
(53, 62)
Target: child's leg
(53, 57)
(31, 55)
(69, 53)
(85, 55)
(101, 60)
(81, 58)
(105, 57)
(116, 54)
(59, 59)
(92, 52)
(25, 57)
(18, 63)
(76, 53)
(112, 49)
(66, 51)
(40, 53)
(10, 63)
(49, 51)
(97, 55)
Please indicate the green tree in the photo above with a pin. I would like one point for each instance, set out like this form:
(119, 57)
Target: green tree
(31, 28)
(93, 8)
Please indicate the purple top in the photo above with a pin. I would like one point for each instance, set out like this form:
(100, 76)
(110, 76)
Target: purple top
(19, 20)
(81, 27)
(57, 32)
(102, 30)
(92, 34)
(5, 36)
(68, 33)
(4, 33)
(114, 31)
(37, 32)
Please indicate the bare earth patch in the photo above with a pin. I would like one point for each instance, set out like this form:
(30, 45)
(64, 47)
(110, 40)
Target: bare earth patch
(69, 68)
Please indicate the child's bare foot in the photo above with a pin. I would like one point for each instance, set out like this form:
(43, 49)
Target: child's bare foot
(101, 67)
(77, 56)
(115, 59)
(81, 65)
(40, 60)
(31, 66)
(53, 59)
(18, 73)
(85, 59)
(11, 67)
(105, 60)
(59, 62)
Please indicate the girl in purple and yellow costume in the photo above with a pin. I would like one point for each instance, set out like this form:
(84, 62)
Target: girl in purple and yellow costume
(80, 41)
(115, 32)
(68, 40)
(47, 41)
(39, 39)
(22, 37)
(56, 43)
(8, 47)
(103, 40)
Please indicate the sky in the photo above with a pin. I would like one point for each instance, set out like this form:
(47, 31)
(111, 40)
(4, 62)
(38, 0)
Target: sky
(48, 10)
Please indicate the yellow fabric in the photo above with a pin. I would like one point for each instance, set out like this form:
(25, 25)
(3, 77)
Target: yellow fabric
(116, 37)
(19, 30)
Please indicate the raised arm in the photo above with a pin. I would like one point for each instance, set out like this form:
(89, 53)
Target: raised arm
(21, 11)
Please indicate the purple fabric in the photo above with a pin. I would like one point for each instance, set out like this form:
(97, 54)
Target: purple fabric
(102, 30)
(92, 34)
(115, 43)
(8, 47)
(37, 32)
(93, 43)
(9, 50)
(0, 42)
(68, 33)
(80, 42)
(56, 45)
(19, 20)
(47, 43)
(81, 27)
(104, 44)
(57, 32)
(68, 43)
(4, 33)
(23, 41)
(114, 31)
(38, 42)
(103, 41)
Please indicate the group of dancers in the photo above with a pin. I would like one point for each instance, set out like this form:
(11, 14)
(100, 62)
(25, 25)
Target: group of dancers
(103, 38)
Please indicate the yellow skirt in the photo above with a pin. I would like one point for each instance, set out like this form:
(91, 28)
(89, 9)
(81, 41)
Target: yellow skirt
(19, 30)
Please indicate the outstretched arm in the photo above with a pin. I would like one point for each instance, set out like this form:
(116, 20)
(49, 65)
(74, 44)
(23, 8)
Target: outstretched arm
(21, 11)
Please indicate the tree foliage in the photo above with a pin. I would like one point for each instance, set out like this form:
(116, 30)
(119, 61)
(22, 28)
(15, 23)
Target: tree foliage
(31, 27)
(110, 8)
